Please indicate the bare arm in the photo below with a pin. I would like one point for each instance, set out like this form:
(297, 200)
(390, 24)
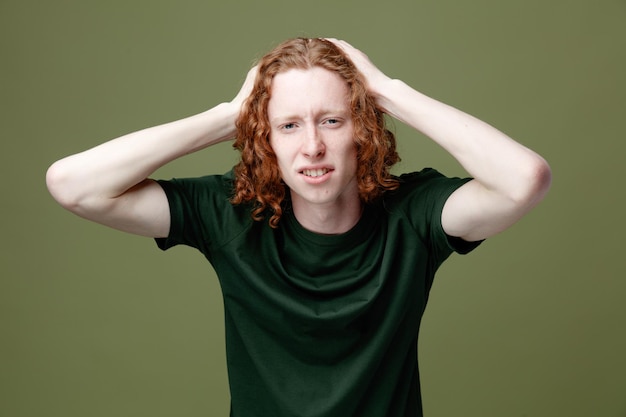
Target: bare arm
(509, 179)
(109, 183)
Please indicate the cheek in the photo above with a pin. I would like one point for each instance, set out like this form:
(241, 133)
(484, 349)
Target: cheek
(271, 141)
(274, 144)
(281, 150)
(351, 150)
(350, 158)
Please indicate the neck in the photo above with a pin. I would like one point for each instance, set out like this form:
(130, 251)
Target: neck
(328, 219)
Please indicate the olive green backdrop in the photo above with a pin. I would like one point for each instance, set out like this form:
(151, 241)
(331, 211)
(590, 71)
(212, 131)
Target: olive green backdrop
(97, 323)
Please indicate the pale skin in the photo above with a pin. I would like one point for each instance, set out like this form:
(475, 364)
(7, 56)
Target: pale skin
(110, 184)
(509, 179)
(312, 135)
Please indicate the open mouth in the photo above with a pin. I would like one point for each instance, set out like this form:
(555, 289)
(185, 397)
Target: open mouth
(315, 172)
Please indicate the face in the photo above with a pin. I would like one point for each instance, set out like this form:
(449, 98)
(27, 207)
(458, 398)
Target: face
(312, 136)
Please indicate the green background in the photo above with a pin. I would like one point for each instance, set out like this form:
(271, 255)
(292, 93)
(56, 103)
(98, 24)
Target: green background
(97, 323)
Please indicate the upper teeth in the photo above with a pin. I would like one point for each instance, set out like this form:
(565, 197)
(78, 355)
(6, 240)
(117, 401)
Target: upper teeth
(315, 172)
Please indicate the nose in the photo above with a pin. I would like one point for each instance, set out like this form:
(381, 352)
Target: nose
(313, 146)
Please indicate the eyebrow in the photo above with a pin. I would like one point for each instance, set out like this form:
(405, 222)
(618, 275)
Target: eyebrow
(346, 113)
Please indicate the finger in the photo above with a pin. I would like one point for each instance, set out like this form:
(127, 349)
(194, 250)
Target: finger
(338, 42)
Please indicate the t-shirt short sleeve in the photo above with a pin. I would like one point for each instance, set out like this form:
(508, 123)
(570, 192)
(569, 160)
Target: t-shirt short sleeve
(184, 215)
(424, 196)
(199, 210)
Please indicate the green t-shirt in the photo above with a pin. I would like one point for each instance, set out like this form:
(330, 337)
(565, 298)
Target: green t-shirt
(320, 325)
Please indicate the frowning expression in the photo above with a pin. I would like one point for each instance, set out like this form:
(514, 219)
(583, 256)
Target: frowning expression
(312, 135)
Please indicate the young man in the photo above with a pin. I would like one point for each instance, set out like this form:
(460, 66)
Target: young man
(325, 259)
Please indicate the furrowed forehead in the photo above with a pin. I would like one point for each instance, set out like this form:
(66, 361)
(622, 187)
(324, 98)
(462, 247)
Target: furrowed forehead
(316, 90)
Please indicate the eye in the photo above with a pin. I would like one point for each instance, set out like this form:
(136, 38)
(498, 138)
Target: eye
(332, 121)
(289, 126)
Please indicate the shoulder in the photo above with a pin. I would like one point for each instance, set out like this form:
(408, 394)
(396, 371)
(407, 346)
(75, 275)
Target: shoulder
(425, 184)
(419, 178)
(201, 209)
(420, 200)
(421, 196)
(217, 184)
(212, 192)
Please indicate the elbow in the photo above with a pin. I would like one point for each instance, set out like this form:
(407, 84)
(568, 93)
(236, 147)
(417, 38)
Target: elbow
(537, 178)
(58, 182)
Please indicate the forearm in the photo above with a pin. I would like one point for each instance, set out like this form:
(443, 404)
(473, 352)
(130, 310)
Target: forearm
(495, 160)
(509, 179)
(110, 169)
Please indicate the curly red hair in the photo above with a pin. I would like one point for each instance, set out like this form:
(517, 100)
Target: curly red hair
(257, 176)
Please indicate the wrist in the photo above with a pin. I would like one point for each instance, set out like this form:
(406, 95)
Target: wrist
(220, 122)
(387, 93)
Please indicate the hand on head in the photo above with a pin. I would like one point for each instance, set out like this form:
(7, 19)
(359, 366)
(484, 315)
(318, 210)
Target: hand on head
(374, 78)
(246, 88)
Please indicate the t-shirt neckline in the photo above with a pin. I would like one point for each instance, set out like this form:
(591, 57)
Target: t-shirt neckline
(360, 230)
